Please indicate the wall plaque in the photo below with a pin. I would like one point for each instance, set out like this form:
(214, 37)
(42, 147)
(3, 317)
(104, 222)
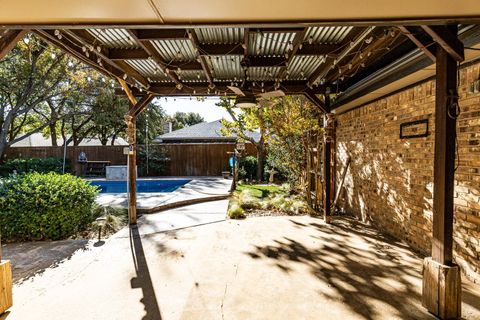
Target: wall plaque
(414, 129)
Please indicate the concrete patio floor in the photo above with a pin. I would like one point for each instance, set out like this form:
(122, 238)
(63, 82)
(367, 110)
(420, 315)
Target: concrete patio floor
(258, 268)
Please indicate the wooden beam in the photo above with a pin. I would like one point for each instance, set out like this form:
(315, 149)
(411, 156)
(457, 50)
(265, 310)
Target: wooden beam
(312, 97)
(414, 34)
(446, 37)
(128, 91)
(66, 45)
(127, 54)
(9, 39)
(161, 34)
(140, 105)
(277, 30)
(153, 53)
(201, 89)
(196, 45)
(131, 123)
(446, 97)
(221, 49)
(102, 52)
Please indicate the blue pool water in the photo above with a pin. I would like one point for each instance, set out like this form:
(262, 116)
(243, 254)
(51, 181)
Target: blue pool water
(142, 185)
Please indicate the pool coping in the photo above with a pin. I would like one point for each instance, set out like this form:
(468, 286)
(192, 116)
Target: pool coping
(197, 190)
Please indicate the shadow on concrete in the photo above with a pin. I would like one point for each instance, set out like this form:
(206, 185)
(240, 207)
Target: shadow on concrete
(143, 279)
(363, 267)
(31, 258)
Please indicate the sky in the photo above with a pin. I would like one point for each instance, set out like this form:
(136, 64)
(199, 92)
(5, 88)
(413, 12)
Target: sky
(207, 108)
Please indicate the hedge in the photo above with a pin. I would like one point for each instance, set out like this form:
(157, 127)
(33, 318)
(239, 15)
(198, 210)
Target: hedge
(36, 206)
(24, 165)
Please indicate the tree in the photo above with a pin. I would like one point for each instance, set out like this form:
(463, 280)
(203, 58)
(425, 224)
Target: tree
(244, 123)
(185, 119)
(150, 123)
(108, 122)
(291, 122)
(29, 76)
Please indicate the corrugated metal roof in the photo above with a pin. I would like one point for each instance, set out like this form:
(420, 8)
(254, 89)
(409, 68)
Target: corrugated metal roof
(114, 38)
(227, 67)
(263, 74)
(180, 50)
(220, 35)
(327, 35)
(302, 67)
(148, 68)
(192, 76)
(269, 44)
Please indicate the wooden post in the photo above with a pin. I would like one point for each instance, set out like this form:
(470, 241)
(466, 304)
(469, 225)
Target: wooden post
(327, 167)
(132, 169)
(441, 278)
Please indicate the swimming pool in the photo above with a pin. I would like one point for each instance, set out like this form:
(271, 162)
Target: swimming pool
(142, 185)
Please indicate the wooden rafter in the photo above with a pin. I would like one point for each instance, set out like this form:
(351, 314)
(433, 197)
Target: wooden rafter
(447, 40)
(8, 40)
(153, 54)
(368, 53)
(140, 105)
(128, 91)
(324, 68)
(75, 51)
(86, 39)
(414, 34)
(201, 59)
(312, 97)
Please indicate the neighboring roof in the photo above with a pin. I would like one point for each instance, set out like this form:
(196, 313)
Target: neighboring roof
(202, 131)
(38, 140)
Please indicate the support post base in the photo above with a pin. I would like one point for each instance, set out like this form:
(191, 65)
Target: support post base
(442, 289)
(5, 285)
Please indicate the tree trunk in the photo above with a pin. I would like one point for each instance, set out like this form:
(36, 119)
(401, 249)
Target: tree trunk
(53, 133)
(260, 158)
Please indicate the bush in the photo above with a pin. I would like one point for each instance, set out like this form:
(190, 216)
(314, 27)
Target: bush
(235, 211)
(35, 206)
(247, 168)
(42, 165)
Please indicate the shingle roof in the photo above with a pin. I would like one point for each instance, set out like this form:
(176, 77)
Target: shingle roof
(202, 131)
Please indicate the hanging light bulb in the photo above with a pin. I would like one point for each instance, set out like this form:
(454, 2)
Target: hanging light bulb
(26, 40)
(179, 86)
(89, 79)
(56, 32)
(70, 64)
(124, 76)
(310, 40)
(194, 91)
(87, 54)
(53, 55)
(198, 75)
(99, 49)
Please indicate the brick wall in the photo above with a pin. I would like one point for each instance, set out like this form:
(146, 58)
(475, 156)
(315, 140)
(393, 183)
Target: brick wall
(390, 181)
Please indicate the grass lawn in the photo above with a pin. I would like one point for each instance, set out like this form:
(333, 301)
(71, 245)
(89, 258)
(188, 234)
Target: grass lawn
(259, 190)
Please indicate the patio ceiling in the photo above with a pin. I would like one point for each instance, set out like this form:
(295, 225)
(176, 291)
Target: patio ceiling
(205, 60)
(171, 48)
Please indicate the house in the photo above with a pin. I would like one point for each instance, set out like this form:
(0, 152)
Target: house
(38, 140)
(205, 132)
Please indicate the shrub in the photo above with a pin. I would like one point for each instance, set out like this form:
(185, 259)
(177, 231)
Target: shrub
(35, 206)
(42, 165)
(235, 211)
(247, 168)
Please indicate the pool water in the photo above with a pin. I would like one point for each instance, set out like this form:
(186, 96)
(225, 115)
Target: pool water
(142, 185)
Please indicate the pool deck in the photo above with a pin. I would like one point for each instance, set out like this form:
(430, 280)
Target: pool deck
(199, 189)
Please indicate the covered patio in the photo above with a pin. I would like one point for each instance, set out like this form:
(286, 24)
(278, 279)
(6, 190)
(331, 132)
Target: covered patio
(342, 58)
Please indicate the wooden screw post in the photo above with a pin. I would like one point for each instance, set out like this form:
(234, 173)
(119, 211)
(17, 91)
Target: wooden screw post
(327, 168)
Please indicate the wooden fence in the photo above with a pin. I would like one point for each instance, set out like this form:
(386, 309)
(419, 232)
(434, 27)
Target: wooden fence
(185, 159)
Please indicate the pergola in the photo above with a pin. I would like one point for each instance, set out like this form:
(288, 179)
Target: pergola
(355, 50)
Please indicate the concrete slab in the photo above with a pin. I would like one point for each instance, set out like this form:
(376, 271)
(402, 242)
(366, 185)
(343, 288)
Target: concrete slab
(258, 268)
(199, 188)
